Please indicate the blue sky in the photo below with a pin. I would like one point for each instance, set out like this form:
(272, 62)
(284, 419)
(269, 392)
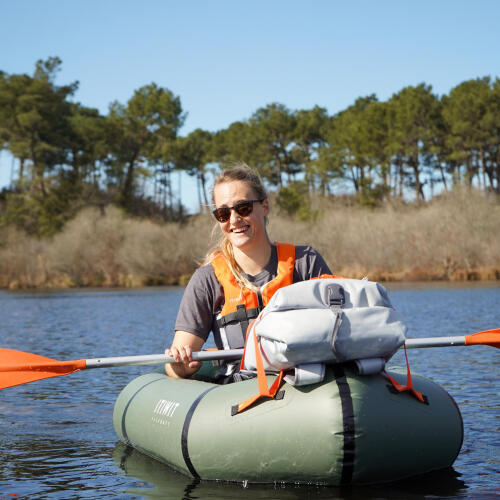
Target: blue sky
(225, 59)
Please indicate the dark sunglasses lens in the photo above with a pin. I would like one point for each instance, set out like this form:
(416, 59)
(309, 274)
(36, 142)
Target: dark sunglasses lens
(244, 208)
(222, 214)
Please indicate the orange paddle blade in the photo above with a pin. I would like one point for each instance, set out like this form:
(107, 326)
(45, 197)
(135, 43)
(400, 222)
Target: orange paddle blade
(487, 337)
(17, 367)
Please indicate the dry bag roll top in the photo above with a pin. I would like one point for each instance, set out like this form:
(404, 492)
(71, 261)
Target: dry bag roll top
(323, 321)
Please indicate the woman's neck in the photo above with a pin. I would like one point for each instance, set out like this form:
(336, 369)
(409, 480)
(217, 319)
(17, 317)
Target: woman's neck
(253, 261)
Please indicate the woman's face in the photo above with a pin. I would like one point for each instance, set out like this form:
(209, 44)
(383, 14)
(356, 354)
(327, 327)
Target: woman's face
(243, 232)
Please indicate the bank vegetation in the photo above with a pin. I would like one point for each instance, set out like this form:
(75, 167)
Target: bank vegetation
(454, 237)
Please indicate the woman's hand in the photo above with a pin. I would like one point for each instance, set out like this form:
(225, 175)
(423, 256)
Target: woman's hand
(183, 354)
(181, 350)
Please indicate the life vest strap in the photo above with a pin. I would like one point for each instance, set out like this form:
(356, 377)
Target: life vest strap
(242, 314)
(233, 327)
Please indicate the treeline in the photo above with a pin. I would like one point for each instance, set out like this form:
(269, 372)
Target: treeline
(70, 156)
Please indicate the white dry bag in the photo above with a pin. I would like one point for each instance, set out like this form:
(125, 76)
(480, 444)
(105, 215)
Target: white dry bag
(326, 320)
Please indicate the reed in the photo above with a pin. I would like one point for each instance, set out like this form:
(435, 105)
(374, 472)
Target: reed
(454, 237)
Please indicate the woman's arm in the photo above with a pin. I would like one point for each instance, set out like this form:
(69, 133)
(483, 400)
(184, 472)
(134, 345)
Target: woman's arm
(182, 348)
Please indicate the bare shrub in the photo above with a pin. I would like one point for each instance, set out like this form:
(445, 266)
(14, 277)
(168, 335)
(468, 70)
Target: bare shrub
(454, 237)
(23, 263)
(163, 254)
(86, 251)
(459, 231)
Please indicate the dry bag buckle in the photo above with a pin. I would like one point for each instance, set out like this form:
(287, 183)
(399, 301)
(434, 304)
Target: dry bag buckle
(336, 297)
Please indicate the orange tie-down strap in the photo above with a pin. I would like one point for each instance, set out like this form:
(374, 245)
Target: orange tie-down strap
(264, 390)
(409, 383)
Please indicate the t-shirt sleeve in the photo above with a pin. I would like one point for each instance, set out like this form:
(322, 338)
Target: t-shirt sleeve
(309, 264)
(196, 311)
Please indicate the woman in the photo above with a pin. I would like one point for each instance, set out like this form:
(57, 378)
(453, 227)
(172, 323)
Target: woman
(239, 277)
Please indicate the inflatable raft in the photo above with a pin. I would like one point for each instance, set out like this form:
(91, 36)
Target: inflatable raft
(349, 429)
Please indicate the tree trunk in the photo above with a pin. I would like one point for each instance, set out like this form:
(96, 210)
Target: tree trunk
(170, 193)
(76, 167)
(37, 169)
(483, 167)
(354, 179)
(128, 186)
(203, 189)
(441, 171)
(21, 172)
(416, 173)
(198, 186)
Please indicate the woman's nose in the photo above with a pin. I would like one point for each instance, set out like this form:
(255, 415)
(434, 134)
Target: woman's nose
(234, 215)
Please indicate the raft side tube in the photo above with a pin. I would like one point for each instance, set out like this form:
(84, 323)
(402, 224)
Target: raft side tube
(150, 413)
(397, 436)
(347, 429)
(274, 440)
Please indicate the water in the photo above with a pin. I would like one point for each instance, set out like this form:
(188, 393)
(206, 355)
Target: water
(57, 438)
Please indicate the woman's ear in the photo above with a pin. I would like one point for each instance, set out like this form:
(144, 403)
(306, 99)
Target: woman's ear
(265, 206)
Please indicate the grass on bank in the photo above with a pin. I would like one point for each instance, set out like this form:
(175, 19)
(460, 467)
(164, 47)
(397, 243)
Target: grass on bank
(454, 237)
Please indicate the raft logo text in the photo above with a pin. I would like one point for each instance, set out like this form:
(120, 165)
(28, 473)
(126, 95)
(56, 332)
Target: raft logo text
(163, 411)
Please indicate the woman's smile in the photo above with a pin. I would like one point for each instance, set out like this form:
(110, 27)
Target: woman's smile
(243, 232)
(240, 229)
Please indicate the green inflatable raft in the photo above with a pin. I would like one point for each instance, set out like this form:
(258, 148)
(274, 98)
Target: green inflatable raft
(349, 429)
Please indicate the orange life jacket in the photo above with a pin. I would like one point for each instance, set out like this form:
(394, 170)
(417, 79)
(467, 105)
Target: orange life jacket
(242, 304)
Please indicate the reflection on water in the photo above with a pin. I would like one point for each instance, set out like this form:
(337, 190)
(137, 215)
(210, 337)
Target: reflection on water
(160, 481)
(41, 467)
(57, 438)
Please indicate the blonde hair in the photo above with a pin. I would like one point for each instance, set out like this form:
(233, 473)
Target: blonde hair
(243, 173)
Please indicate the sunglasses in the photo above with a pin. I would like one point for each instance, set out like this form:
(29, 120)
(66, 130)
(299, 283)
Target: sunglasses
(243, 209)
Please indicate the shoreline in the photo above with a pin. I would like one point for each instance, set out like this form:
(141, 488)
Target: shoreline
(443, 241)
(396, 284)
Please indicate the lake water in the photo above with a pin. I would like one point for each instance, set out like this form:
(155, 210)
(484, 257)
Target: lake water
(57, 438)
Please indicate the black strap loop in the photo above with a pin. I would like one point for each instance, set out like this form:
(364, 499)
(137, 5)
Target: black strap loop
(237, 316)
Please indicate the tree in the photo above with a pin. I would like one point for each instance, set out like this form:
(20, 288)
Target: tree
(414, 116)
(309, 138)
(492, 119)
(472, 114)
(274, 127)
(152, 116)
(237, 143)
(87, 143)
(33, 119)
(357, 141)
(193, 154)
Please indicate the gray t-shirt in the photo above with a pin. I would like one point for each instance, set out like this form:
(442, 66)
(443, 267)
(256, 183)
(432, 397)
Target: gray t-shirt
(204, 296)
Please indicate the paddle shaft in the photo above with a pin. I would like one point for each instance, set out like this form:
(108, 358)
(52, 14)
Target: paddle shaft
(153, 359)
(17, 367)
(435, 342)
(156, 359)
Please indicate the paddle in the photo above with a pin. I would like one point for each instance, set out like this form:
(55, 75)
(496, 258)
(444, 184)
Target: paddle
(17, 367)
(486, 337)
